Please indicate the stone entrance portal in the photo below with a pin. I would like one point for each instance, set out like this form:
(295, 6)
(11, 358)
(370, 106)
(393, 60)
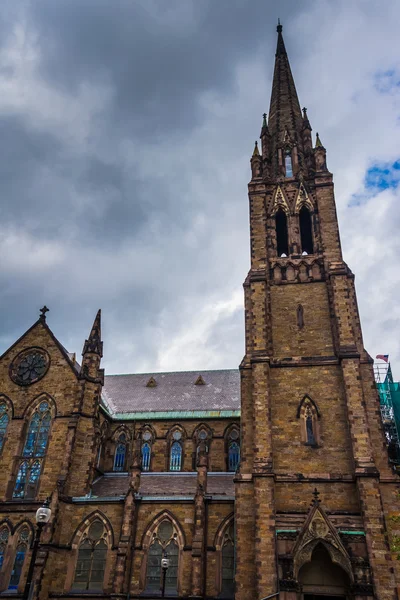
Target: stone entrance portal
(322, 579)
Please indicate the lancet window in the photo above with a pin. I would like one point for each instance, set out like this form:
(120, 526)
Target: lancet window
(164, 545)
(19, 559)
(175, 454)
(34, 450)
(4, 418)
(146, 450)
(92, 556)
(288, 163)
(282, 245)
(233, 450)
(306, 236)
(120, 453)
(309, 422)
(27, 480)
(38, 432)
(228, 563)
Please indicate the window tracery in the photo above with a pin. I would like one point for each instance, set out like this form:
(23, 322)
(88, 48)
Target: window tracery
(233, 450)
(120, 453)
(309, 422)
(92, 556)
(164, 544)
(176, 451)
(19, 559)
(4, 418)
(38, 432)
(228, 563)
(147, 439)
(34, 450)
(27, 479)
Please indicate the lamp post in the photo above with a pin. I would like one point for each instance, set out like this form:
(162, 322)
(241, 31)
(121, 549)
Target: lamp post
(164, 566)
(42, 516)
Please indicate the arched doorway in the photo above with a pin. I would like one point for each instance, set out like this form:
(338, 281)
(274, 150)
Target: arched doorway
(321, 579)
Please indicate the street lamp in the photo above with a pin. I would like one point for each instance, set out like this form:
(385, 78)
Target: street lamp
(42, 516)
(164, 565)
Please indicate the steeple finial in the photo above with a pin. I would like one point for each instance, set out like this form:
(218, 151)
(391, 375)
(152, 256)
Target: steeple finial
(279, 26)
(43, 312)
(256, 151)
(264, 120)
(94, 345)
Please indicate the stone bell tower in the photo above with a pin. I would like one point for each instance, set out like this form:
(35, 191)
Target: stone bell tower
(314, 492)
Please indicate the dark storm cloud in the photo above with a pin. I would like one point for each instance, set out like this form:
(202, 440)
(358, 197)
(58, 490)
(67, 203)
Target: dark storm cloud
(125, 133)
(157, 56)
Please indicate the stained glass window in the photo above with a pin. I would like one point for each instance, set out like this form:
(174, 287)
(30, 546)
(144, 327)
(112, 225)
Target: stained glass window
(27, 479)
(38, 432)
(175, 461)
(146, 455)
(233, 456)
(17, 566)
(3, 423)
(92, 555)
(171, 576)
(153, 576)
(164, 545)
(120, 452)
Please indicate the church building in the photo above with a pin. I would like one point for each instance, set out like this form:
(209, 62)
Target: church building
(271, 480)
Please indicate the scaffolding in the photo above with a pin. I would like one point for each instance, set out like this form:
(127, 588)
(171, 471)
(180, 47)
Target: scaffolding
(389, 396)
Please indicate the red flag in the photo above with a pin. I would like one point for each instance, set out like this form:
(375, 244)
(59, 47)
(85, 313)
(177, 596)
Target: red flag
(384, 357)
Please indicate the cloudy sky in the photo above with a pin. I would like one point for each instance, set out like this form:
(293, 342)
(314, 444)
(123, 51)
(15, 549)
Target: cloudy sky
(126, 128)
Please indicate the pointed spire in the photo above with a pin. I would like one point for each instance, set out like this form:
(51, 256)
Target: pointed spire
(256, 152)
(306, 122)
(318, 143)
(94, 345)
(280, 47)
(284, 113)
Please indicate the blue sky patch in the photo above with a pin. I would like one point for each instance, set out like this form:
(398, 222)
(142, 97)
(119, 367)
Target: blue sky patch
(382, 176)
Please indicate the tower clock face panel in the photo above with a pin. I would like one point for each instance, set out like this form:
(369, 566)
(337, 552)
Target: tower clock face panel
(29, 366)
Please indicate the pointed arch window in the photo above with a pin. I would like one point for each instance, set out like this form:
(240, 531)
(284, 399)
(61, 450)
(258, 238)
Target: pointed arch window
(228, 563)
(288, 163)
(19, 559)
(233, 450)
(91, 563)
(4, 535)
(282, 245)
(38, 432)
(146, 455)
(120, 453)
(164, 545)
(309, 422)
(175, 453)
(4, 418)
(175, 462)
(27, 480)
(306, 237)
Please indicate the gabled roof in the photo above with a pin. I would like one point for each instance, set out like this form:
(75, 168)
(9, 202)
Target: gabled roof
(70, 359)
(129, 396)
